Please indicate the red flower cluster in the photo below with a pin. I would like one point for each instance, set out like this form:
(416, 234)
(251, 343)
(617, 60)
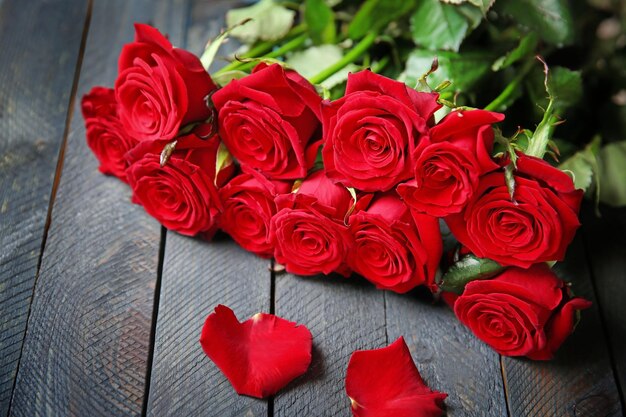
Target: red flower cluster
(389, 174)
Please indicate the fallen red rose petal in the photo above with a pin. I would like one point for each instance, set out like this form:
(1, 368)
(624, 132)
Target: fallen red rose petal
(259, 356)
(386, 383)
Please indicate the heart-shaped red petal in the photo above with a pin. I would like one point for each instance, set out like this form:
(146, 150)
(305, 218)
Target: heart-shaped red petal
(386, 383)
(259, 356)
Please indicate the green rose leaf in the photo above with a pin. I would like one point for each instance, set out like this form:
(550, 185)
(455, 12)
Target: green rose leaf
(483, 5)
(436, 25)
(525, 48)
(270, 21)
(375, 15)
(583, 166)
(320, 21)
(467, 269)
(313, 60)
(551, 19)
(612, 160)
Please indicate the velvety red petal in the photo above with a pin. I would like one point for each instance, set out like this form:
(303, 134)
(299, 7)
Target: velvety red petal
(259, 356)
(386, 383)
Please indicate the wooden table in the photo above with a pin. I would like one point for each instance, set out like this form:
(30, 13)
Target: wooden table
(101, 308)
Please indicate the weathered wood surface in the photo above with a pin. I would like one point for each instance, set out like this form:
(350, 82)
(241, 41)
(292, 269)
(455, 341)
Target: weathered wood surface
(579, 381)
(447, 355)
(343, 315)
(87, 343)
(605, 242)
(39, 50)
(197, 276)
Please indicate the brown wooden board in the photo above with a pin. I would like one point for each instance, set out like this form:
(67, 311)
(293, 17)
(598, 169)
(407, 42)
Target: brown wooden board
(579, 381)
(197, 276)
(39, 50)
(447, 355)
(605, 241)
(87, 342)
(343, 315)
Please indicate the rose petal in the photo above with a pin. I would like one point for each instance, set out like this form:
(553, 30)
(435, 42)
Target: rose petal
(386, 383)
(259, 356)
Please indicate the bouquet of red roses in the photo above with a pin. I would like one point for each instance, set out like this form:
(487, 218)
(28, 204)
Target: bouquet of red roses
(362, 182)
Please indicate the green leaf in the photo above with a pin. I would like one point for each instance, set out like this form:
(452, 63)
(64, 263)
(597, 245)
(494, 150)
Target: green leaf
(525, 48)
(224, 159)
(437, 25)
(315, 59)
(483, 5)
(375, 15)
(467, 269)
(612, 160)
(224, 78)
(320, 21)
(270, 21)
(208, 56)
(463, 70)
(551, 19)
(583, 166)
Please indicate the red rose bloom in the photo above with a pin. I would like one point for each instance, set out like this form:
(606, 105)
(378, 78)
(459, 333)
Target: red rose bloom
(521, 312)
(105, 136)
(371, 133)
(392, 249)
(537, 226)
(308, 231)
(269, 121)
(449, 163)
(159, 87)
(249, 206)
(182, 195)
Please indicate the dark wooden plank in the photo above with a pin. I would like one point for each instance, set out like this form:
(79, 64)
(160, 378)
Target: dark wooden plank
(39, 46)
(447, 355)
(197, 276)
(579, 381)
(343, 315)
(605, 241)
(87, 343)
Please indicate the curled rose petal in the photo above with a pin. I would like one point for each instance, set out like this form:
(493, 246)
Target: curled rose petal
(259, 356)
(386, 383)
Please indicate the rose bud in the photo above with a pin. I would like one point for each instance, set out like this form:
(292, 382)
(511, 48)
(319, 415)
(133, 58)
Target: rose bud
(521, 312)
(159, 88)
(249, 206)
(106, 137)
(535, 226)
(450, 161)
(309, 232)
(386, 383)
(371, 133)
(393, 249)
(182, 195)
(269, 121)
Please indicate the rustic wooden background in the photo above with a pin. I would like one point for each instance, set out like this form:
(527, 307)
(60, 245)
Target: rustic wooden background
(101, 308)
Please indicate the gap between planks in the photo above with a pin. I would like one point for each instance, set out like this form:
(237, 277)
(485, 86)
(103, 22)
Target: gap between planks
(57, 178)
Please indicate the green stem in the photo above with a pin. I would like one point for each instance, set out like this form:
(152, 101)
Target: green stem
(510, 89)
(358, 50)
(261, 48)
(381, 64)
(295, 43)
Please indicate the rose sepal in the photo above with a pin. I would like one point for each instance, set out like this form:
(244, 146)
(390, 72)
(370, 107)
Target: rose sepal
(466, 269)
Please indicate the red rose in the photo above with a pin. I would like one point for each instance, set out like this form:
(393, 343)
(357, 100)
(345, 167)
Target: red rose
(308, 231)
(450, 161)
(536, 226)
(182, 195)
(249, 206)
(269, 121)
(521, 312)
(105, 135)
(159, 87)
(371, 133)
(392, 249)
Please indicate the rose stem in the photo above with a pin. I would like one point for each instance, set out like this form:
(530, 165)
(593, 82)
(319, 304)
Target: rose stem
(352, 55)
(261, 48)
(295, 43)
(380, 65)
(510, 89)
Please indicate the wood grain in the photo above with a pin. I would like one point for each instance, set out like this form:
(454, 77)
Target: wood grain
(343, 315)
(605, 241)
(579, 381)
(87, 342)
(39, 45)
(197, 276)
(447, 355)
